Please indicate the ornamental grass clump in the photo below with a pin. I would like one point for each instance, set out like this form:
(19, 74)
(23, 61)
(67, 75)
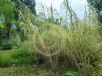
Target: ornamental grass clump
(83, 45)
(77, 46)
(47, 39)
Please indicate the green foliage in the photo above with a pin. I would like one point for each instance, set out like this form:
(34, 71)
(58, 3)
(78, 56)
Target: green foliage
(98, 5)
(13, 43)
(1, 33)
(7, 12)
(7, 9)
(16, 41)
(78, 46)
(71, 73)
(18, 57)
(2, 25)
(30, 4)
(0, 37)
(6, 45)
(23, 56)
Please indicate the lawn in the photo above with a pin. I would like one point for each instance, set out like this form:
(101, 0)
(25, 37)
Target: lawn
(22, 71)
(15, 56)
(11, 67)
(7, 68)
(6, 55)
(28, 70)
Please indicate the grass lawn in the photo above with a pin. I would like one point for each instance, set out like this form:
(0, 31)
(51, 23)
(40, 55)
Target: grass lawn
(15, 56)
(24, 70)
(6, 56)
(27, 71)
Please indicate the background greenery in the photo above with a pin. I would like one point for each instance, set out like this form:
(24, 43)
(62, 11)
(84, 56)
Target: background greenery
(73, 47)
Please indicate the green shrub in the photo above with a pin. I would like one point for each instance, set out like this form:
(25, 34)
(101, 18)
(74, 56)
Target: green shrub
(24, 56)
(6, 44)
(10, 44)
(19, 56)
(16, 42)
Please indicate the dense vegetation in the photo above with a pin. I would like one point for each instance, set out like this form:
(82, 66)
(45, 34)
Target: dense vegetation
(63, 46)
(98, 5)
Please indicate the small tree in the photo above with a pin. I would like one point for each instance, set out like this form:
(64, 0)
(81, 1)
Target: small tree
(7, 10)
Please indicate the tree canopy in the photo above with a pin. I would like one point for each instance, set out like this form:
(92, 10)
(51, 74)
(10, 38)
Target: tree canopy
(31, 4)
(98, 5)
